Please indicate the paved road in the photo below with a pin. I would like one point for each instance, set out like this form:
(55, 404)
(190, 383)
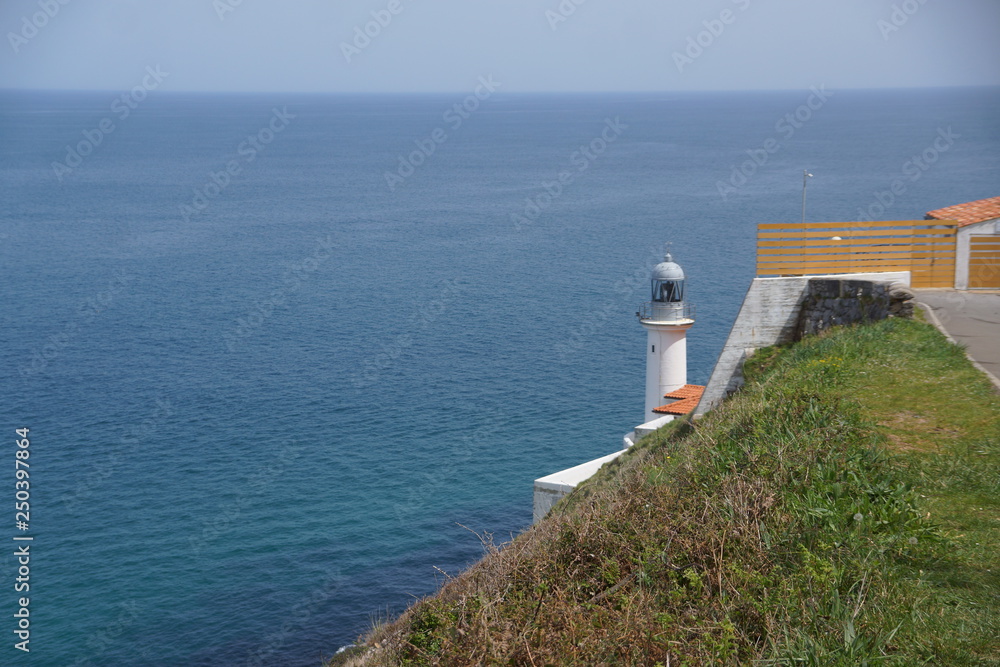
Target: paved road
(972, 318)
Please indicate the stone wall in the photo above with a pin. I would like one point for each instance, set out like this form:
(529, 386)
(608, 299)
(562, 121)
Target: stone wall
(830, 302)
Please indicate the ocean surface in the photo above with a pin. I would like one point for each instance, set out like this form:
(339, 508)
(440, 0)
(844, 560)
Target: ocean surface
(274, 394)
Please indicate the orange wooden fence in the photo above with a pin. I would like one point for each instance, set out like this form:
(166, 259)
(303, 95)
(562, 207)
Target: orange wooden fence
(984, 262)
(926, 248)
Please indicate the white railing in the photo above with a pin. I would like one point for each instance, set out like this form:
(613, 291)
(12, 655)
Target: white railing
(659, 311)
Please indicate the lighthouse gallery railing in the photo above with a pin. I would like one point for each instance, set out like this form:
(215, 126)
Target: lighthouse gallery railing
(659, 311)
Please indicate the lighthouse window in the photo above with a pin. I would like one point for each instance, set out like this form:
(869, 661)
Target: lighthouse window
(654, 348)
(669, 291)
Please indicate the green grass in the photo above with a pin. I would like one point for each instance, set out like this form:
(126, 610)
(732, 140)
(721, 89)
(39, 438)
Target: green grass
(843, 509)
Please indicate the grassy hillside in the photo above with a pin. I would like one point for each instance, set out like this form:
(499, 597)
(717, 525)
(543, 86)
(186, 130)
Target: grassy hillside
(842, 510)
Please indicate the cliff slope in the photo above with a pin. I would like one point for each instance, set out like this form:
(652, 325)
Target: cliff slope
(842, 509)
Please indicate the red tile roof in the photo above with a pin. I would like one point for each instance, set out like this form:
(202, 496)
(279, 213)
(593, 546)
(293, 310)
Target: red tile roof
(687, 400)
(968, 213)
(687, 391)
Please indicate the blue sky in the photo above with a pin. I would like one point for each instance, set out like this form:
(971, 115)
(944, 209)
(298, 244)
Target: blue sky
(527, 45)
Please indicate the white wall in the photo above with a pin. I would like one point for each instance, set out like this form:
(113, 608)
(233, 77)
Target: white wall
(551, 488)
(666, 363)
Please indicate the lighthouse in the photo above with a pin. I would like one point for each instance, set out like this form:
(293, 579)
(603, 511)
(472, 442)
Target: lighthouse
(666, 318)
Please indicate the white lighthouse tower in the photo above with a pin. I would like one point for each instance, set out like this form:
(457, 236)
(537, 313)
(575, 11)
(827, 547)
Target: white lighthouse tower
(666, 318)
(668, 395)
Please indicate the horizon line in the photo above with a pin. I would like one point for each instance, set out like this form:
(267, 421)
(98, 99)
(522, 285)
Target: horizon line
(509, 92)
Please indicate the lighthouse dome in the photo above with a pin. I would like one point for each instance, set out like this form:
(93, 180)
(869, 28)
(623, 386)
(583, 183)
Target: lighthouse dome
(667, 281)
(668, 269)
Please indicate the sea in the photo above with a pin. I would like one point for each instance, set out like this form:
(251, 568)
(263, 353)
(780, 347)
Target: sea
(283, 363)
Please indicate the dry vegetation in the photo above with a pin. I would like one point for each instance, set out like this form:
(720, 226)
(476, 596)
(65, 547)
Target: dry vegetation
(782, 529)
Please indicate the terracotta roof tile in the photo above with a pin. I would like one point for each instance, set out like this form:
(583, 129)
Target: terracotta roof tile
(681, 407)
(968, 213)
(687, 391)
(688, 397)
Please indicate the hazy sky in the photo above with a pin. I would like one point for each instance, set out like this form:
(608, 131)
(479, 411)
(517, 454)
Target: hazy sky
(527, 45)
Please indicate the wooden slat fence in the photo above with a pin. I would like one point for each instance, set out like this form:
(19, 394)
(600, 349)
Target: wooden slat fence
(984, 262)
(926, 248)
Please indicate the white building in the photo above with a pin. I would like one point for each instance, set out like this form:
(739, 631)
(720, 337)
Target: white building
(977, 254)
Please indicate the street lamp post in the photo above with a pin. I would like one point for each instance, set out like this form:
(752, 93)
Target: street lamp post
(805, 179)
